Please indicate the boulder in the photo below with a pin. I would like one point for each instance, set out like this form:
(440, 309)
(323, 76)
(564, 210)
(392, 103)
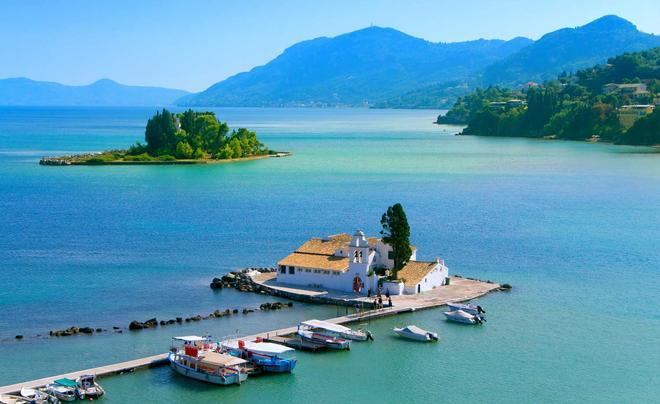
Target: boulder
(235, 311)
(19, 337)
(87, 330)
(99, 330)
(152, 322)
(135, 325)
(179, 319)
(171, 321)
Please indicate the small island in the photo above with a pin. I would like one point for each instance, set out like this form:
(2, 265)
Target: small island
(189, 137)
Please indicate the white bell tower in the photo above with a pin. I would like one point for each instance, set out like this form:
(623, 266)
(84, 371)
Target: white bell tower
(358, 255)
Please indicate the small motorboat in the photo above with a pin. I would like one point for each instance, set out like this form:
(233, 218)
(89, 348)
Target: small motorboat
(468, 308)
(11, 399)
(459, 316)
(37, 396)
(416, 333)
(337, 330)
(89, 387)
(329, 341)
(62, 393)
(266, 355)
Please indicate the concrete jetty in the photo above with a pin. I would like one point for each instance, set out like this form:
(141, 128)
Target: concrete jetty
(460, 289)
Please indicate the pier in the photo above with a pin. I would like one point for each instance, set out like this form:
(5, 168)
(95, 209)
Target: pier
(459, 289)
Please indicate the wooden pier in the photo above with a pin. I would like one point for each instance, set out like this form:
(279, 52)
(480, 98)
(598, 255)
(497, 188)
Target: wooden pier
(460, 290)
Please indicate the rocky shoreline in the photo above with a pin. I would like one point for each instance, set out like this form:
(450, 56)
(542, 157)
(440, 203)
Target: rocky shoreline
(242, 281)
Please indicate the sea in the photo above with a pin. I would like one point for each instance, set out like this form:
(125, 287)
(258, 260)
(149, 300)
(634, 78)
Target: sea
(573, 227)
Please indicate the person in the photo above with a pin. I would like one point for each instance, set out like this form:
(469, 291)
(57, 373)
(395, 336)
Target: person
(376, 302)
(380, 302)
(387, 293)
(369, 292)
(389, 301)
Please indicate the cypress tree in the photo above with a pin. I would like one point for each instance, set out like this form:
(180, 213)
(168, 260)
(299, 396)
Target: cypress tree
(396, 233)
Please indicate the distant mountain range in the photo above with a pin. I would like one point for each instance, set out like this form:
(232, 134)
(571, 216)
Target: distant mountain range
(383, 67)
(375, 67)
(22, 91)
(358, 68)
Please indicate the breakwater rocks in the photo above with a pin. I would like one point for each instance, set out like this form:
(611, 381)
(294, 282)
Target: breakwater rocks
(242, 281)
(136, 325)
(503, 286)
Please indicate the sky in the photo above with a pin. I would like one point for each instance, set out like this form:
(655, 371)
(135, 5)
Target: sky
(193, 45)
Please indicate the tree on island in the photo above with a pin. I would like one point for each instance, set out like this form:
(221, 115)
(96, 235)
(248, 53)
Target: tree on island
(396, 233)
(194, 135)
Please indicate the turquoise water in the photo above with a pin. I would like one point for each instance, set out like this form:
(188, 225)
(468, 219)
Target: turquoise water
(573, 226)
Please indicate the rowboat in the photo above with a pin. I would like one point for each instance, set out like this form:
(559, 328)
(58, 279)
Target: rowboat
(338, 330)
(329, 341)
(416, 333)
(89, 387)
(268, 356)
(37, 396)
(198, 359)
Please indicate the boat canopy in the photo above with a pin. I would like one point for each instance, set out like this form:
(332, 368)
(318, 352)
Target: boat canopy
(326, 326)
(66, 382)
(264, 348)
(218, 359)
(415, 329)
(190, 338)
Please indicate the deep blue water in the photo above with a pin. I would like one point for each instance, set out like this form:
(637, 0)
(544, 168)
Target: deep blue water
(574, 227)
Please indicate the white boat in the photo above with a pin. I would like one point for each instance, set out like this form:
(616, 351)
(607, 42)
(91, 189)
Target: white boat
(198, 359)
(469, 308)
(10, 399)
(416, 333)
(36, 396)
(60, 392)
(89, 387)
(459, 316)
(337, 330)
(268, 356)
(329, 341)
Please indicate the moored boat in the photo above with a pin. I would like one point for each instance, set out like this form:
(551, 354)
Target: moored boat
(11, 399)
(416, 333)
(89, 387)
(60, 392)
(267, 356)
(460, 316)
(328, 341)
(198, 359)
(337, 330)
(469, 308)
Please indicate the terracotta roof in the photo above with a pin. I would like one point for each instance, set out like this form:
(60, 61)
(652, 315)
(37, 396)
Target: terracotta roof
(325, 246)
(316, 261)
(415, 271)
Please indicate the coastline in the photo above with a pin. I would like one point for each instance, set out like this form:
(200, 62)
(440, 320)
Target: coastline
(70, 161)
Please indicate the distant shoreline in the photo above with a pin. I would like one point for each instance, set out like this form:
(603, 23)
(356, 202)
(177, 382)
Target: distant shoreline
(82, 160)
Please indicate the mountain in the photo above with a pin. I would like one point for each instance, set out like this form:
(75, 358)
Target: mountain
(568, 50)
(105, 92)
(357, 68)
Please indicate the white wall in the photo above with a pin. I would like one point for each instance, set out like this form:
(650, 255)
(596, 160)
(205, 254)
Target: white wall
(434, 279)
(333, 280)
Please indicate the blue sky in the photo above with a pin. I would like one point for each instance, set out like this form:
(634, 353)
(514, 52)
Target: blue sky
(192, 46)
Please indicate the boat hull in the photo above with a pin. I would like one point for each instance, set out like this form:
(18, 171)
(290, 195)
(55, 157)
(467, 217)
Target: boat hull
(232, 378)
(466, 308)
(452, 316)
(328, 341)
(274, 365)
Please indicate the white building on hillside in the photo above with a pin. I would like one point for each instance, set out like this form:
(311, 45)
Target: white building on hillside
(342, 262)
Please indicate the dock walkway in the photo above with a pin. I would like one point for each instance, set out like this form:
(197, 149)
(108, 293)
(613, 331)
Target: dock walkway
(460, 289)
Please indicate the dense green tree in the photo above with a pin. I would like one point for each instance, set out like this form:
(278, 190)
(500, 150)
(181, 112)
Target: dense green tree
(183, 150)
(645, 131)
(396, 233)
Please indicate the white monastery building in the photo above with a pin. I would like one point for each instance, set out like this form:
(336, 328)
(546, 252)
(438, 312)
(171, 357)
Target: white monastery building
(340, 261)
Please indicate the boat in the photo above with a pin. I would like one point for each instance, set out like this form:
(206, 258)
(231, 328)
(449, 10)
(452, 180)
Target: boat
(89, 387)
(62, 392)
(198, 359)
(37, 396)
(269, 357)
(469, 308)
(11, 399)
(416, 333)
(72, 385)
(337, 330)
(460, 316)
(328, 341)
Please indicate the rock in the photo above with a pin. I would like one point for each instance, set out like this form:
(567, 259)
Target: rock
(135, 325)
(163, 322)
(179, 320)
(87, 330)
(116, 328)
(171, 321)
(505, 286)
(290, 304)
(188, 320)
(152, 322)
(19, 337)
(235, 311)
(196, 318)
